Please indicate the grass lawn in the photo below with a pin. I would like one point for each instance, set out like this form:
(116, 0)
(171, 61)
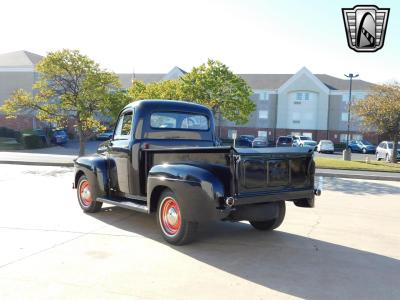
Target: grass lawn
(331, 163)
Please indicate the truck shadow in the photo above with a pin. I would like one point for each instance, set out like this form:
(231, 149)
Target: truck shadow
(292, 264)
(360, 188)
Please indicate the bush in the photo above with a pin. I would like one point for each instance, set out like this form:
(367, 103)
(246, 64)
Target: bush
(31, 141)
(8, 132)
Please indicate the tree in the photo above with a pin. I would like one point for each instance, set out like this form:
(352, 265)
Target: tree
(214, 85)
(380, 111)
(165, 89)
(71, 86)
(211, 84)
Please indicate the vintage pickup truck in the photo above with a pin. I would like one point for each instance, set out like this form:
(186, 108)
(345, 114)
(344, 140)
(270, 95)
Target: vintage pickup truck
(163, 158)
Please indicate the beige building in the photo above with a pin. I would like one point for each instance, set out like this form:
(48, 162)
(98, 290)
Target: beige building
(300, 103)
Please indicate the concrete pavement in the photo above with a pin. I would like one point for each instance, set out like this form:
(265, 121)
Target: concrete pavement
(348, 247)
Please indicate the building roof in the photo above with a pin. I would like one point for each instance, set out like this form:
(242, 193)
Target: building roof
(255, 81)
(126, 78)
(260, 81)
(19, 59)
(335, 83)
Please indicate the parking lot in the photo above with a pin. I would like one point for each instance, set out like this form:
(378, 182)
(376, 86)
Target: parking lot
(348, 247)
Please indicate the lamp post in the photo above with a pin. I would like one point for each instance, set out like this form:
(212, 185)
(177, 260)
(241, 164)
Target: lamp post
(347, 152)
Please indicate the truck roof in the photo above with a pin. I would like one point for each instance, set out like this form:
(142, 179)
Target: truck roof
(169, 105)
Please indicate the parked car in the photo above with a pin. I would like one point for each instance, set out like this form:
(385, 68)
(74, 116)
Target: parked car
(362, 146)
(304, 141)
(104, 136)
(260, 142)
(325, 146)
(284, 141)
(245, 141)
(59, 137)
(182, 178)
(385, 151)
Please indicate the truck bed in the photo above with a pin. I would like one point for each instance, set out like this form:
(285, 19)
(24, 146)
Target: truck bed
(250, 174)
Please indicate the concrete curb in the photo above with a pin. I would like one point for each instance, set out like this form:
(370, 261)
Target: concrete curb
(382, 177)
(37, 163)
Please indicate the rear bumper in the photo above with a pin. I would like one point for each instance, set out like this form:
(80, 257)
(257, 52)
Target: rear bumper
(272, 196)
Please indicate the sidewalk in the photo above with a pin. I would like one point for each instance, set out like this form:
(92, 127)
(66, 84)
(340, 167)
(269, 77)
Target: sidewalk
(67, 161)
(39, 159)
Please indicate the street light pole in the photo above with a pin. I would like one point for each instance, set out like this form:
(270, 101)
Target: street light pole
(347, 154)
(351, 76)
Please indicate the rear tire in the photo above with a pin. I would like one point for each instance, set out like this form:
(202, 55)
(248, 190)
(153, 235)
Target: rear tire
(171, 219)
(274, 223)
(86, 194)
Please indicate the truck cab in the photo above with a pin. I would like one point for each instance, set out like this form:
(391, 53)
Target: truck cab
(163, 160)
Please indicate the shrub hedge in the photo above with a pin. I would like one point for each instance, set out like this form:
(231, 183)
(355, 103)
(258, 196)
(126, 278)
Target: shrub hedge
(31, 141)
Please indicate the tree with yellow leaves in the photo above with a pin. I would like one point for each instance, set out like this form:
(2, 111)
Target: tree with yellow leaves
(380, 111)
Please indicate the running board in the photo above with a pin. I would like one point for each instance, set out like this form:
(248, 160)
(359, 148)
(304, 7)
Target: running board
(126, 204)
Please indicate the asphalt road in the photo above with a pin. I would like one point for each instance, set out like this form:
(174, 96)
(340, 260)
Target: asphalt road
(348, 247)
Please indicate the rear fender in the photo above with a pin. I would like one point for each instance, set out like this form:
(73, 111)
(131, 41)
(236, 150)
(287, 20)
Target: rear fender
(95, 168)
(199, 191)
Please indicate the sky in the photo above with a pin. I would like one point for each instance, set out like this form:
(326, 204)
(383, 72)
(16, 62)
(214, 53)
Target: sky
(249, 36)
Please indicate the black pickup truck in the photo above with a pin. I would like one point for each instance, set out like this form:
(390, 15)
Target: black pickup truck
(163, 158)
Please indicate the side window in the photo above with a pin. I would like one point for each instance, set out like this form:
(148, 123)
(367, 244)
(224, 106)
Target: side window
(384, 146)
(124, 127)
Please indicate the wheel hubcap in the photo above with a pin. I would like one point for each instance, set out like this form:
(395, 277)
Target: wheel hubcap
(84, 192)
(170, 216)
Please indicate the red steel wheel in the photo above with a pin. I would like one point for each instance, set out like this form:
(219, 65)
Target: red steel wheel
(170, 216)
(85, 195)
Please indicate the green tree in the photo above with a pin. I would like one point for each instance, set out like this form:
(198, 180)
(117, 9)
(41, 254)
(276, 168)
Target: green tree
(380, 111)
(214, 85)
(165, 89)
(71, 86)
(211, 84)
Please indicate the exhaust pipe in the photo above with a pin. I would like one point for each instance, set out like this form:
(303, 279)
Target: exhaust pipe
(317, 192)
(230, 201)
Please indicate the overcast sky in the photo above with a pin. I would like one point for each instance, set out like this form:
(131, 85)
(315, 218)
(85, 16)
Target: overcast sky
(152, 36)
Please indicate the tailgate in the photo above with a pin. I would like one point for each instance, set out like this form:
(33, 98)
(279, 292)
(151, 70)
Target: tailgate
(273, 170)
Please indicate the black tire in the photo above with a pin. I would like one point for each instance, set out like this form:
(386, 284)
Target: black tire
(87, 205)
(182, 231)
(271, 224)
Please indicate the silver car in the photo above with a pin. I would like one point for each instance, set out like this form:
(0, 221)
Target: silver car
(385, 151)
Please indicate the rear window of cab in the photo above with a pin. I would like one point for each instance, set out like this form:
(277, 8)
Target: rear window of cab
(179, 120)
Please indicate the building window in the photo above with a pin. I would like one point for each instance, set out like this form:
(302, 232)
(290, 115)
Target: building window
(264, 96)
(296, 121)
(302, 96)
(357, 137)
(262, 134)
(263, 114)
(232, 133)
(345, 116)
(308, 134)
(343, 137)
